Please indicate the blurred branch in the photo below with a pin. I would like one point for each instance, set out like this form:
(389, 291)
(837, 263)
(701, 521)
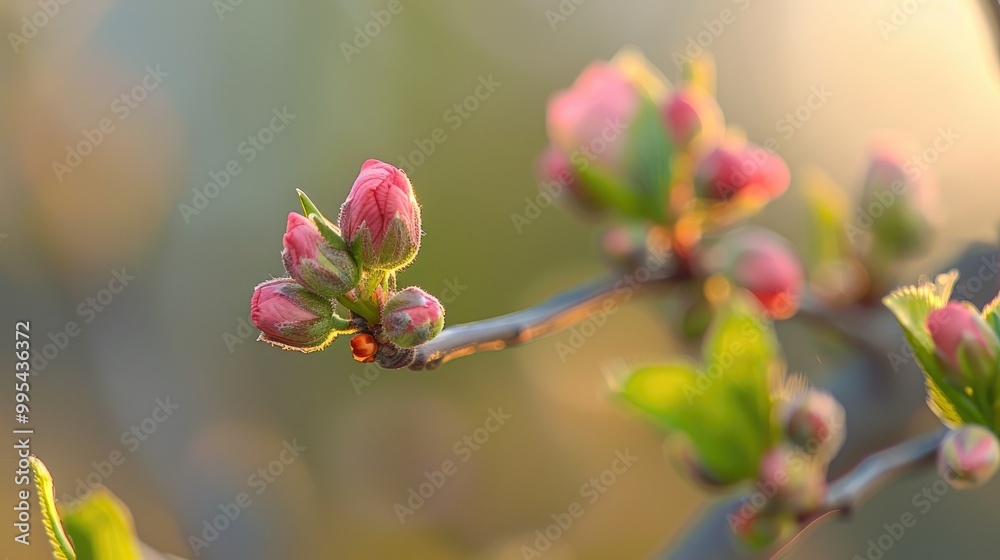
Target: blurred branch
(557, 313)
(846, 494)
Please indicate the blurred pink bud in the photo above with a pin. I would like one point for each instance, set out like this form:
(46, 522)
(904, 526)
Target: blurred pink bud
(899, 204)
(788, 478)
(591, 115)
(814, 422)
(380, 220)
(412, 317)
(764, 264)
(558, 179)
(738, 169)
(958, 327)
(693, 118)
(313, 262)
(969, 456)
(291, 316)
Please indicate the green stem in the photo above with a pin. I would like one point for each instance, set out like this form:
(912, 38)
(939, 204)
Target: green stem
(365, 309)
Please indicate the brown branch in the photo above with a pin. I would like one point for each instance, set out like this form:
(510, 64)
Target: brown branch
(557, 313)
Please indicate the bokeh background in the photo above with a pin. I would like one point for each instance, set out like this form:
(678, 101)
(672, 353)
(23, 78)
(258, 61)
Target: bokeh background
(179, 330)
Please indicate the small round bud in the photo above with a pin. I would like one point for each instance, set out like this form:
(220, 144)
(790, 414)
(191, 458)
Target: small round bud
(814, 422)
(969, 456)
(740, 170)
(364, 347)
(762, 263)
(313, 262)
(901, 207)
(792, 480)
(411, 317)
(757, 530)
(380, 220)
(292, 317)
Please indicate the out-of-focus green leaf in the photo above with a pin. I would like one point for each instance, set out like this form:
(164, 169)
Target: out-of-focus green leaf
(62, 549)
(101, 528)
(827, 213)
(724, 409)
(651, 171)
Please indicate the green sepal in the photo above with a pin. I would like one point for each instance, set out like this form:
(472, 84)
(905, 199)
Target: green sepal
(651, 168)
(330, 232)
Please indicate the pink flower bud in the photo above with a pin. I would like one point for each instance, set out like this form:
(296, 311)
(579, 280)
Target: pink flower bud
(899, 205)
(814, 422)
(558, 179)
(412, 317)
(380, 220)
(764, 264)
(958, 327)
(291, 316)
(592, 114)
(737, 169)
(313, 262)
(693, 118)
(790, 479)
(969, 456)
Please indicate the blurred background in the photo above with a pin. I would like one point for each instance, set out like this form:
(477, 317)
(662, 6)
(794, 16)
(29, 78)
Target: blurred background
(118, 115)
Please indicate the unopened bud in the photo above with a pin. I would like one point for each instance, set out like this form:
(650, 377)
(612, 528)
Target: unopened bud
(411, 317)
(969, 456)
(292, 317)
(796, 482)
(814, 422)
(965, 344)
(315, 263)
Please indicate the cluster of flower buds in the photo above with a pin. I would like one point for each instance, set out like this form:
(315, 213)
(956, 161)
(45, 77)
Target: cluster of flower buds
(621, 137)
(791, 479)
(352, 264)
(761, 262)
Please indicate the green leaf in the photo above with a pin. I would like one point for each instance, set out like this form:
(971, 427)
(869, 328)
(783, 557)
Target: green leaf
(827, 207)
(724, 409)
(101, 528)
(913, 304)
(608, 191)
(681, 399)
(61, 546)
(651, 167)
(330, 232)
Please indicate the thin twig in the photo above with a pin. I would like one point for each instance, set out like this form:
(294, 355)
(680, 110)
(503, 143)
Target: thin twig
(713, 539)
(557, 313)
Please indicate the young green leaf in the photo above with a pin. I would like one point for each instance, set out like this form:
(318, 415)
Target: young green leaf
(62, 549)
(101, 528)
